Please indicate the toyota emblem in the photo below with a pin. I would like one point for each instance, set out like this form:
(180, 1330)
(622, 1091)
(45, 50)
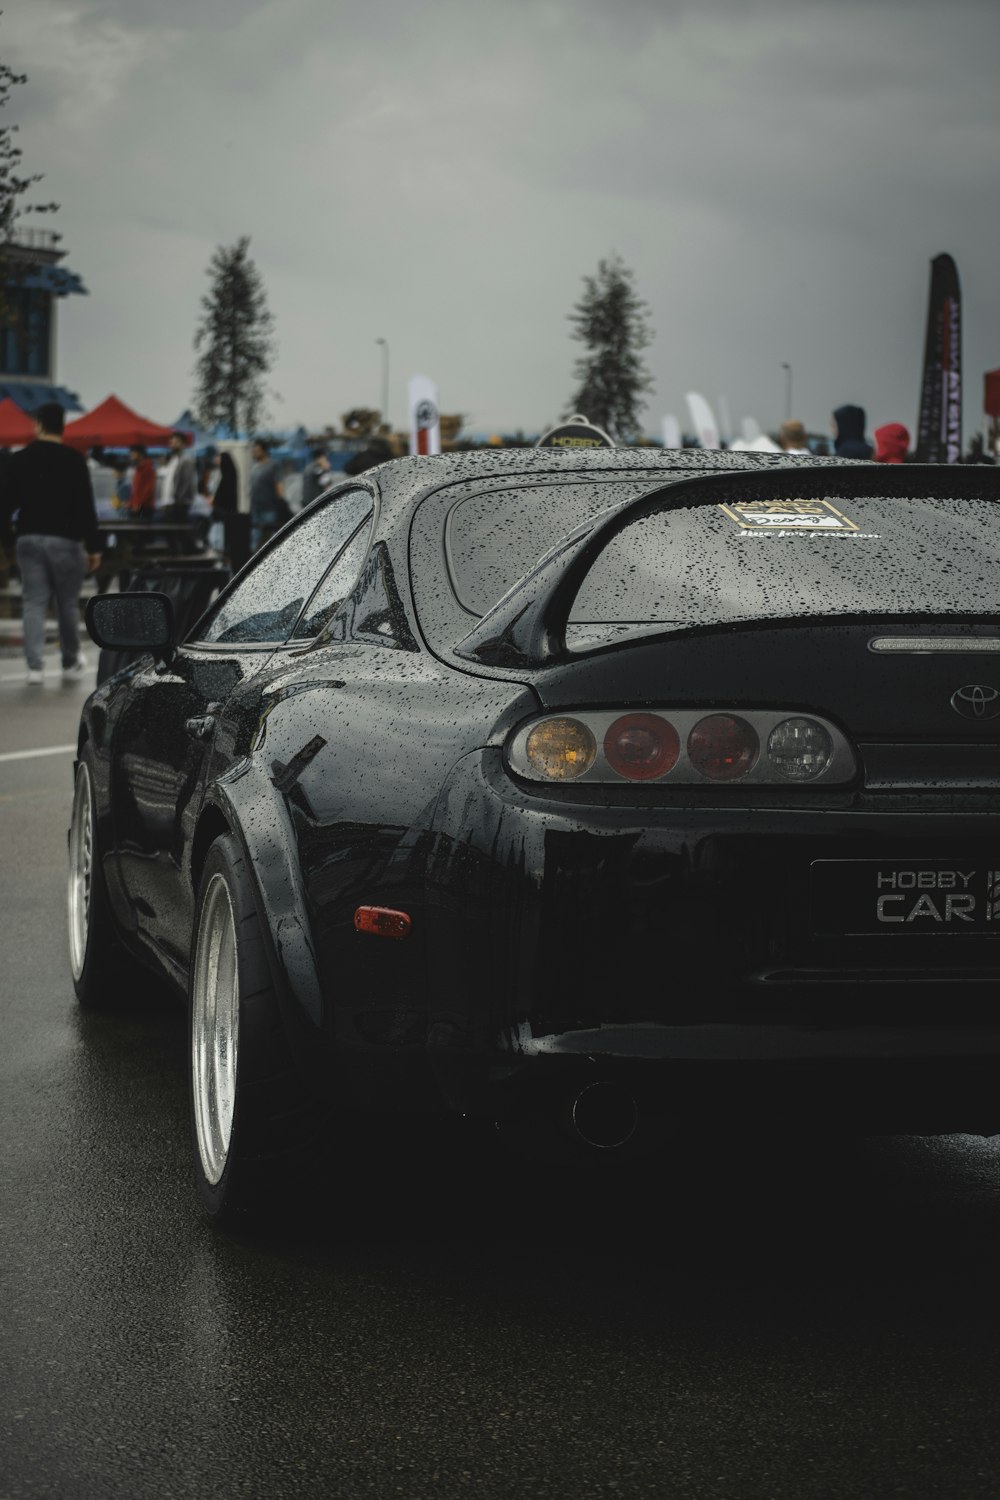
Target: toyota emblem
(976, 701)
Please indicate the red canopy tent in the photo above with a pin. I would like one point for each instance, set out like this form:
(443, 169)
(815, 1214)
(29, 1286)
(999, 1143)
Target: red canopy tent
(114, 425)
(16, 427)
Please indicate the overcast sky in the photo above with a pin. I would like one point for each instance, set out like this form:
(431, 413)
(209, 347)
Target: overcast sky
(443, 174)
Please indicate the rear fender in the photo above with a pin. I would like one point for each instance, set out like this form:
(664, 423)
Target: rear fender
(247, 799)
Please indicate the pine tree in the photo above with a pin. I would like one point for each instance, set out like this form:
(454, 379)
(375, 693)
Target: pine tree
(234, 341)
(611, 321)
(16, 260)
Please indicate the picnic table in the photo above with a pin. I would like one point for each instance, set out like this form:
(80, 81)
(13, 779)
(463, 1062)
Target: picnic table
(127, 545)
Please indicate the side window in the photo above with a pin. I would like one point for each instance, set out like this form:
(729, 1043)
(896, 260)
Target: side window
(334, 588)
(265, 604)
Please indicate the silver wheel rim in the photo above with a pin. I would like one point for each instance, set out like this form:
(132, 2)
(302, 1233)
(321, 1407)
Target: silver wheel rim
(81, 870)
(215, 1016)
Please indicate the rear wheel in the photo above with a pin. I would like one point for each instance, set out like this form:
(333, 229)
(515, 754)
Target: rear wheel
(100, 966)
(259, 1124)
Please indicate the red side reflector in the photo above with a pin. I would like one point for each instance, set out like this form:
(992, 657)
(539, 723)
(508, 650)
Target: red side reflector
(381, 921)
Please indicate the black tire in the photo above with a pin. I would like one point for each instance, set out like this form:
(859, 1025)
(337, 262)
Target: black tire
(103, 972)
(278, 1117)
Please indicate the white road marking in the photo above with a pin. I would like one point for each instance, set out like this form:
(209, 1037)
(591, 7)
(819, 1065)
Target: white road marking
(30, 754)
(20, 676)
(51, 673)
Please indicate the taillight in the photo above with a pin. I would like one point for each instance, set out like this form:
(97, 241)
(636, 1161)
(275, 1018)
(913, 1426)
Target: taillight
(800, 749)
(723, 747)
(683, 747)
(642, 746)
(561, 749)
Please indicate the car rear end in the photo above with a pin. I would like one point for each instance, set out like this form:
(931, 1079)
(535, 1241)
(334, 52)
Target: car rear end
(746, 860)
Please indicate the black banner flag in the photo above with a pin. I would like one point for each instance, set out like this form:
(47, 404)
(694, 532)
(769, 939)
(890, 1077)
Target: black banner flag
(939, 436)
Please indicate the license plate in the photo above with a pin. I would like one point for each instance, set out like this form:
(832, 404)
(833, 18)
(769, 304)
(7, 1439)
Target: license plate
(904, 898)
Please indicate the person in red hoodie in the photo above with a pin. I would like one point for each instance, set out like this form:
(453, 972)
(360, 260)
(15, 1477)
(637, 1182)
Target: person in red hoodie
(143, 499)
(892, 443)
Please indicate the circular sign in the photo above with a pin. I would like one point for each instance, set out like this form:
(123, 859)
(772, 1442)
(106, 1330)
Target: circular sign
(578, 432)
(426, 415)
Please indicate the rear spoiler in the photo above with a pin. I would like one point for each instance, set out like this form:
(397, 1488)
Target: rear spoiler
(527, 627)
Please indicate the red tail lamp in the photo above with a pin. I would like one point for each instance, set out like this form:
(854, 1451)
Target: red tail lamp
(723, 747)
(641, 747)
(382, 921)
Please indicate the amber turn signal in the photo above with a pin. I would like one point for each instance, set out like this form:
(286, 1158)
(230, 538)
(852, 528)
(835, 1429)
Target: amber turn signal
(382, 921)
(561, 749)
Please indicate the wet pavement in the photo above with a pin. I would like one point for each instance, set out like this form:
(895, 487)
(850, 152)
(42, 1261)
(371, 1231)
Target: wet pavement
(763, 1318)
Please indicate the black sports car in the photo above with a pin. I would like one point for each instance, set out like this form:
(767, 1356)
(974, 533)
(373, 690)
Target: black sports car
(591, 792)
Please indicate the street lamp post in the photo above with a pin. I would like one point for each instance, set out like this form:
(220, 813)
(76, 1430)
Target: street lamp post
(788, 389)
(385, 378)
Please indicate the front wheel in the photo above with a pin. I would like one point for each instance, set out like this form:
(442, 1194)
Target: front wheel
(100, 967)
(259, 1124)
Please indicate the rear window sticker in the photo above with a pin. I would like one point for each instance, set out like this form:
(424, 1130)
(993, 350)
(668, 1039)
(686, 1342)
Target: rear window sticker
(789, 516)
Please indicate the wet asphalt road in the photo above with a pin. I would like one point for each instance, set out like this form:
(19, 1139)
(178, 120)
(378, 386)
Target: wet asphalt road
(765, 1319)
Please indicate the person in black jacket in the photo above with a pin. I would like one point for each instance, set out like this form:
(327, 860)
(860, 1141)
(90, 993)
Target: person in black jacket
(317, 476)
(225, 500)
(377, 452)
(226, 509)
(6, 529)
(849, 433)
(47, 486)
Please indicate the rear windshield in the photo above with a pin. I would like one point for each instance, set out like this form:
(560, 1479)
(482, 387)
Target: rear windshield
(497, 535)
(716, 564)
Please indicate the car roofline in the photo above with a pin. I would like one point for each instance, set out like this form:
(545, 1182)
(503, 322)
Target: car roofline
(443, 470)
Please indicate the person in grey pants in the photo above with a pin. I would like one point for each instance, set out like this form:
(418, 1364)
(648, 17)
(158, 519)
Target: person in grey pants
(48, 487)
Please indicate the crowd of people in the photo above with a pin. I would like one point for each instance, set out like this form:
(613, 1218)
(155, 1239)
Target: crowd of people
(48, 487)
(204, 490)
(891, 445)
(49, 523)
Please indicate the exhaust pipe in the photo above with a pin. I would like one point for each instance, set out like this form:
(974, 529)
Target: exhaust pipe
(605, 1115)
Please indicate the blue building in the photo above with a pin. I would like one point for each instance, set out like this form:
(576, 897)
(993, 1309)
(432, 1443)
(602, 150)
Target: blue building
(33, 282)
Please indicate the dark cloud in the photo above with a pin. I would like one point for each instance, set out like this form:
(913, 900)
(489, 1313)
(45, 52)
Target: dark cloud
(442, 175)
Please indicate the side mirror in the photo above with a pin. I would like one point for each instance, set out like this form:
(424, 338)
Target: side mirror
(132, 622)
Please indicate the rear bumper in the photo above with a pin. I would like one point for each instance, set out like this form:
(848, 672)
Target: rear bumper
(763, 1044)
(673, 947)
(876, 1081)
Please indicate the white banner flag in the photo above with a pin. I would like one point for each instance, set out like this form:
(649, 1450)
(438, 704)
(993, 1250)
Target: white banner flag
(671, 431)
(425, 420)
(703, 420)
(725, 421)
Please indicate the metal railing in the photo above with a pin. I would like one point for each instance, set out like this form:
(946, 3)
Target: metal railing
(35, 239)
